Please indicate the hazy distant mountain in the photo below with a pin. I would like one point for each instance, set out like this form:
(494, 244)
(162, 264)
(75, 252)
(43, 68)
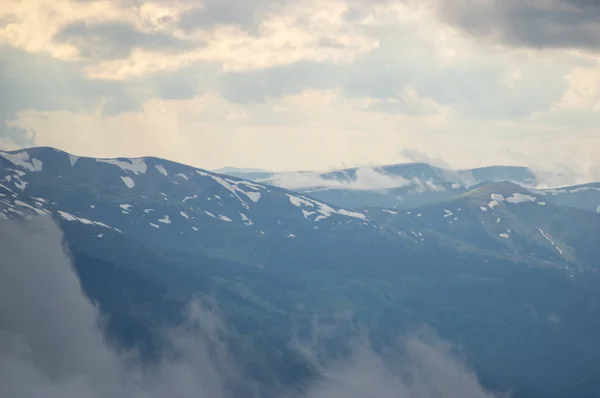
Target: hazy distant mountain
(401, 186)
(506, 273)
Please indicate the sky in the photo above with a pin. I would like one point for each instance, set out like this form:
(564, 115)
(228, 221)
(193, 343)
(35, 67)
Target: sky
(305, 84)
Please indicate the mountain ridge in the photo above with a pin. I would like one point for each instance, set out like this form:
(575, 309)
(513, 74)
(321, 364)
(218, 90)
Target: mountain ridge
(274, 259)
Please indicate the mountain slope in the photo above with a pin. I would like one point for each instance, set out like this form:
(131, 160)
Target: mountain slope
(504, 219)
(149, 199)
(510, 303)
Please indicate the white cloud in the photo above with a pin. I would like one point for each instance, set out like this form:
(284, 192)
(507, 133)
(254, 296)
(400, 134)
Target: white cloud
(366, 178)
(583, 92)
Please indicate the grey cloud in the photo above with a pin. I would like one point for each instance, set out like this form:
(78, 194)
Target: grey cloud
(111, 40)
(184, 83)
(541, 24)
(37, 81)
(419, 365)
(48, 329)
(473, 89)
(52, 343)
(246, 14)
(271, 83)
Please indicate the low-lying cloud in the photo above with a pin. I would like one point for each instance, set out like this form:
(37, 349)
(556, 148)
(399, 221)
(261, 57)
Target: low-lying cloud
(52, 344)
(365, 178)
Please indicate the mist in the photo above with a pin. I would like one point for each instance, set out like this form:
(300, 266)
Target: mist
(53, 344)
(367, 178)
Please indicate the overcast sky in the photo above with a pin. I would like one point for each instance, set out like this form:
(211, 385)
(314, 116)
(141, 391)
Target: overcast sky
(295, 84)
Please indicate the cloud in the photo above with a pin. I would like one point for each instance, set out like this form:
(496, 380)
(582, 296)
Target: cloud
(375, 76)
(428, 369)
(52, 344)
(211, 13)
(565, 24)
(115, 39)
(40, 82)
(12, 138)
(364, 178)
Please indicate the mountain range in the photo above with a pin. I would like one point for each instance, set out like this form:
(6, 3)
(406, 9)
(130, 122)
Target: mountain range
(507, 271)
(412, 185)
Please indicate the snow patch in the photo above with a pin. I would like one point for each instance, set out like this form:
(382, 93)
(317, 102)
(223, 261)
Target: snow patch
(128, 181)
(483, 208)
(307, 213)
(69, 217)
(182, 176)
(504, 235)
(298, 202)
(136, 166)
(551, 241)
(73, 159)
(520, 198)
(514, 198)
(20, 184)
(165, 220)
(230, 185)
(224, 218)
(321, 208)
(155, 225)
(582, 189)
(245, 219)
(21, 159)
(447, 213)
(210, 214)
(40, 212)
(390, 212)
(7, 188)
(184, 215)
(496, 200)
(161, 169)
(254, 196)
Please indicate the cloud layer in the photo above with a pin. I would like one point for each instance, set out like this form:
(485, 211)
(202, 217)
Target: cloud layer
(52, 344)
(295, 85)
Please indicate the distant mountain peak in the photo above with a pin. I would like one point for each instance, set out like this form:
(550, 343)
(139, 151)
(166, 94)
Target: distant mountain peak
(504, 188)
